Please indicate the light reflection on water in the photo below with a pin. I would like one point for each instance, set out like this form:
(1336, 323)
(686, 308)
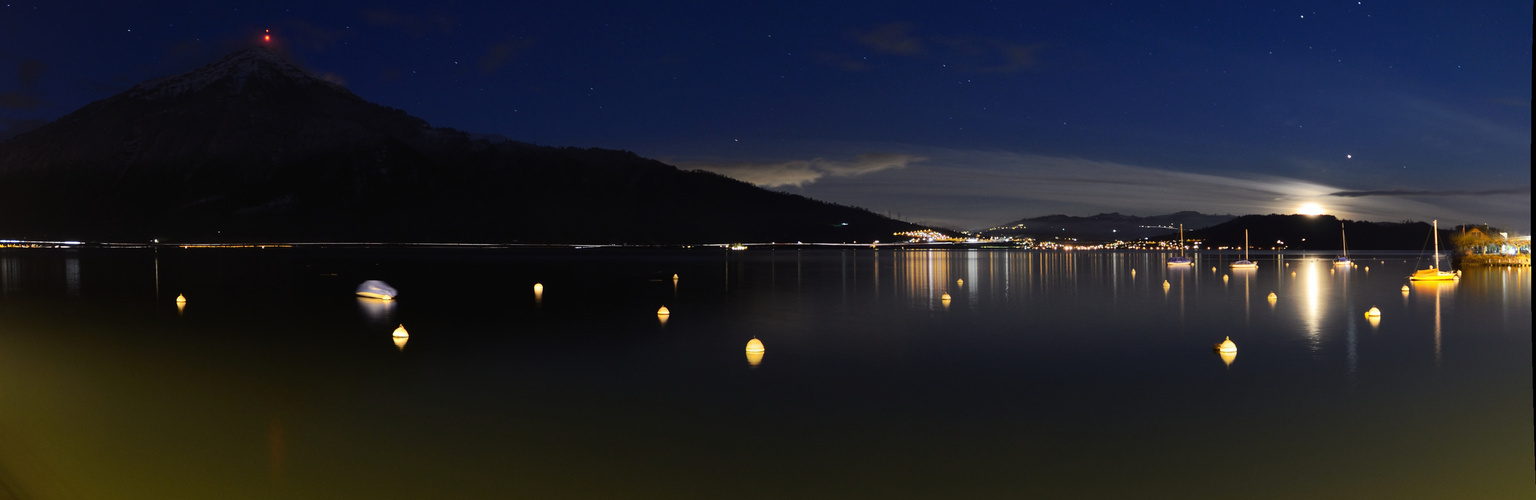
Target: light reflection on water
(1044, 371)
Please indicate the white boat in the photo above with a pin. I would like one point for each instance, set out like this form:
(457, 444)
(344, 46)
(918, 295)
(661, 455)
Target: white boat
(1245, 263)
(1343, 260)
(375, 289)
(1434, 273)
(1180, 259)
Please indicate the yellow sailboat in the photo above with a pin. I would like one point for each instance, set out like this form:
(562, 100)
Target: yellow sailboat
(1434, 273)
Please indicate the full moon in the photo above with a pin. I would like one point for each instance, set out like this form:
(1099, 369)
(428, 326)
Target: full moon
(1310, 209)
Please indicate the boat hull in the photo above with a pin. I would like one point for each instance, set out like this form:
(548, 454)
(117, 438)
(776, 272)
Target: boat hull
(1434, 275)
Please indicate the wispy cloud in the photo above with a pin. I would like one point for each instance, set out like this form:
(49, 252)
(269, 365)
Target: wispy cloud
(893, 38)
(498, 54)
(977, 189)
(416, 25)
(1424, 192)
(29, 70)
(1452, 121)
(983, 55)
(801, 172)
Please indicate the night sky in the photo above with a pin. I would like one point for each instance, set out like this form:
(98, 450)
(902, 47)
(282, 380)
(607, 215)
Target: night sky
(957, 114)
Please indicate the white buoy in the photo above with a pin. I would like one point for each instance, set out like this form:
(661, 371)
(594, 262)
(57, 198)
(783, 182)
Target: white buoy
(1373, 313)
(538, 289)
(663, 311)
(1226, 346)
(181, 299)
(400, 332)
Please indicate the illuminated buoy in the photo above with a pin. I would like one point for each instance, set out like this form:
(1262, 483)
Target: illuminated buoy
(1226, 346)
(400, 332)
(1375, 321)
(1405, 288)
(180, 299)
(1228, 357)
(754, 351)
(1367, 268)
(1166, 285)
(400, 342)
(1133, 273)
(375, 289)
(944, 297)
(538, 289)
(663, 311)
(960, 282)
(1225, 277)
(1373, 313)
(674, 277)
(1272, 296)
(1293, 274)
(1213, 269)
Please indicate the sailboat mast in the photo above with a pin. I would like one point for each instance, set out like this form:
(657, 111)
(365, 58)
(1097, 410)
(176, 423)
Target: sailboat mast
(1181, 240)
(1245, 244)
(1344, 238)
(1436, 223)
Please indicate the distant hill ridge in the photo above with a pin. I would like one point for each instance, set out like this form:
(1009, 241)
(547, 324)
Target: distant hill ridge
(1105, 227)
(1319, 232)
(254, 148)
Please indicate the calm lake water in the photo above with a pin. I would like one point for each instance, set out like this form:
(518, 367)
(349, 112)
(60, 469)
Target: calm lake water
(1047, 374)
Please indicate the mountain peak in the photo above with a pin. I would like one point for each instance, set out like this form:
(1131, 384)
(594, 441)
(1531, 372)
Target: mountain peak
(237, 69)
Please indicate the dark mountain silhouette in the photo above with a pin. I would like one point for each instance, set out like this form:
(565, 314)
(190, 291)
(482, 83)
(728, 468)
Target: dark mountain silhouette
(1105, 227)
(253, 148)
(1318, 232)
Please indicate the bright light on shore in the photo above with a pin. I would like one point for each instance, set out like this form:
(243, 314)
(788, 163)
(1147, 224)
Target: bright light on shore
(1310, 209)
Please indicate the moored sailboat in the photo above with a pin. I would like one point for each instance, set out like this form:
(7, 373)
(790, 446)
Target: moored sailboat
(1343, 260)
(1245, 263)
(1180, 259)
(1434, 273)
